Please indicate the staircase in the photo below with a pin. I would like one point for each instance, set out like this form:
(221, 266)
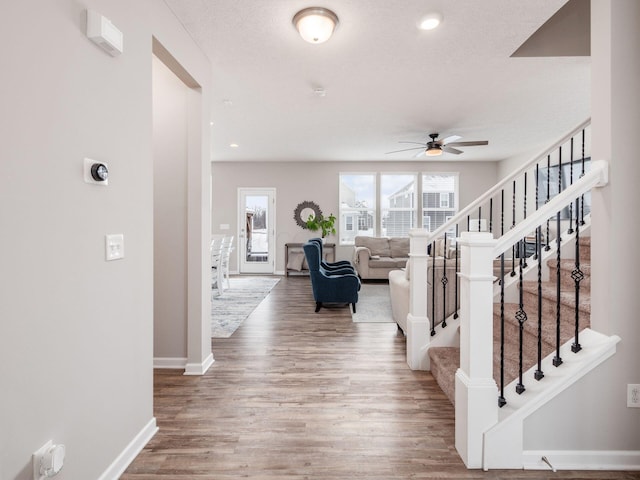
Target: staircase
(445, 361)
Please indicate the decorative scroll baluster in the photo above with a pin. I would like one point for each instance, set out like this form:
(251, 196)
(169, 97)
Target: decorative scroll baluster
(557, 360)
(444, 281)
(558, 237)
(539, 374)
(457, 284)
(433, 288)
(521, 317)
(582, 174)
(570, 230)
(513, 224)
(577, 277)
(548, 241)
(501, 400)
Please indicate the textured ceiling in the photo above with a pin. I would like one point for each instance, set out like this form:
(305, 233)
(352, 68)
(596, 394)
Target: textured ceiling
(385, 80)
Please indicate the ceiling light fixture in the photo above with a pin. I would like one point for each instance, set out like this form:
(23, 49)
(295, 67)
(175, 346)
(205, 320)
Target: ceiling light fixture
(315, 24)
(430, 21)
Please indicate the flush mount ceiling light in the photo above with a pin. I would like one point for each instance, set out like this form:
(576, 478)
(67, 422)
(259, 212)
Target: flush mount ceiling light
(315, 24)
(430, 21)
(433, 150)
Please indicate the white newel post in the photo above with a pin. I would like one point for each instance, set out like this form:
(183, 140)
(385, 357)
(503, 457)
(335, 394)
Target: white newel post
(476, 390)
(417, 322)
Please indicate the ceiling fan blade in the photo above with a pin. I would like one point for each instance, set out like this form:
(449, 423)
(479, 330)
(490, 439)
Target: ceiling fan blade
(406, 150)
(449, 149)
(467, 144)
(418, 154)
(449, 139)
(417, 143)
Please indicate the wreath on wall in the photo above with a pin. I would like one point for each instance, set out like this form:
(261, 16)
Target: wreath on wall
(304, 210)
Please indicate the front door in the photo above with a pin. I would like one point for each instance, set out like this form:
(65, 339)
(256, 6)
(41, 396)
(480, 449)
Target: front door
(256, 236)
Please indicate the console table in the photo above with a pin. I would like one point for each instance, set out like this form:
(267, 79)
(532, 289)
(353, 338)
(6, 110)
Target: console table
(292, 250)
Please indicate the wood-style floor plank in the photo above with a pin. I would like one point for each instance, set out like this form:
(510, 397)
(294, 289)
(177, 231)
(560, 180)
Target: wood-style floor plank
(298, 395)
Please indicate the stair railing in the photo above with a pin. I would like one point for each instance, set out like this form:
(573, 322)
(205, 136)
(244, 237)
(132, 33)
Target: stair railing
(496, 211)
(476, 389)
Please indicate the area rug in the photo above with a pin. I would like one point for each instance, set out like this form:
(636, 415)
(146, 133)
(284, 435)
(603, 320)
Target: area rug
(230, 309)
(374, 304)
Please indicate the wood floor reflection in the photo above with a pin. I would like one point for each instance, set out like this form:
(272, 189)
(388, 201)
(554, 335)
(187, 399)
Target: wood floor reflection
(298, 395)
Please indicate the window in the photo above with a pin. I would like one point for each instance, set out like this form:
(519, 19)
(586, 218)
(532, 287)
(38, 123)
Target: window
(439, 199)
(549, 179)
(398, 204)
(394, 203)
(357, 206)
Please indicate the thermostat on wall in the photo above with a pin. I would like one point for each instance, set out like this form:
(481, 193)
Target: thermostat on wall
(101, 31)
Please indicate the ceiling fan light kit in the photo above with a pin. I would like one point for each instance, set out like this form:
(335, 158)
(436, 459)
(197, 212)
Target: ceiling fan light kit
(315, 24)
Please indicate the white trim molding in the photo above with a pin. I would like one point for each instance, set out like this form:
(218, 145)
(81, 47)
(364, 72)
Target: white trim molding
(177, 363)
(582, 459)
(131, 451)
(199, 368)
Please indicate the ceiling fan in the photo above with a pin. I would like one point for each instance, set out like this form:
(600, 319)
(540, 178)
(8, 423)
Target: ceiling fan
(436, 147)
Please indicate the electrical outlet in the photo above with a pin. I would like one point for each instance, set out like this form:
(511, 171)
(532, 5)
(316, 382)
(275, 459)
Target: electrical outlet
(633, 395)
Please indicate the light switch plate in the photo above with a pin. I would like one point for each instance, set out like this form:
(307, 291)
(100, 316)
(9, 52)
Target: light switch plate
(114, 247)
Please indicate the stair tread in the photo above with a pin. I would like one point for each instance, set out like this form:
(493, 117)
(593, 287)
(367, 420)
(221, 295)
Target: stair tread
(549, 292)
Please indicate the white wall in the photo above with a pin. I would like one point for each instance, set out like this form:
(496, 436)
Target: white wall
(76, 331)
(593, 415)
(318, 182)
(170, 112)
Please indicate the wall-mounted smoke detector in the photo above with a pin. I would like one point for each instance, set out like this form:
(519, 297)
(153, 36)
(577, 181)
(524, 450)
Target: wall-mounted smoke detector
(319, 92)
(102, 32)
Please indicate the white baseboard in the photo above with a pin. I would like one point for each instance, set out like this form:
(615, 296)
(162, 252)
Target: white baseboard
(131, 451)
(199, 368)
(170, 362)
(582, 459)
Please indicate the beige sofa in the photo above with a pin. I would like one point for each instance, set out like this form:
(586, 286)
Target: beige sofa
(375, 257)
(399, 292)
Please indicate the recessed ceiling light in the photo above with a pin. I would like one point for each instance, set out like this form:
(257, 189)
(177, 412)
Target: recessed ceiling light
(234, 145)
(430, 21)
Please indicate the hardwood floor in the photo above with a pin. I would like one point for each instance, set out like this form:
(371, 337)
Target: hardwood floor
(298, 395)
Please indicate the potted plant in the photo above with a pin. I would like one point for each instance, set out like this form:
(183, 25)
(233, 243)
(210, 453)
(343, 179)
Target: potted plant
(320, 222)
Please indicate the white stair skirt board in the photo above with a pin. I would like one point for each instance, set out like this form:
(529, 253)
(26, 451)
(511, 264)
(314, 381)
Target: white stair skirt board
(131, 451)
(199, 368)
(503, 443)
(627, 460)
(177, 363)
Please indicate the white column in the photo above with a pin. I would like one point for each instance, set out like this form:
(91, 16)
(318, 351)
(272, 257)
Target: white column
(418, 331)
(476, 390)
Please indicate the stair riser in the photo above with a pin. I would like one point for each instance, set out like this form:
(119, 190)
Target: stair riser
(549, 310)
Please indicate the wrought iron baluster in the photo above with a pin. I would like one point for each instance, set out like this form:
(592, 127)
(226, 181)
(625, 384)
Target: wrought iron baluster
(444, 280)
(577, 277)
(433, 288)
(539, 374)
(455, 315)
(548, 241)
(557, 360)
(491, 215)
(582, 175)
(524, 249)
(468, 223)
(513, 224)
(479, 218)
(558, 237)
(537, 254)
(570, 230)
(501, 400)
(521, 317)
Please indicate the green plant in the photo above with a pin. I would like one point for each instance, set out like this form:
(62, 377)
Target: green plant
(321, 223)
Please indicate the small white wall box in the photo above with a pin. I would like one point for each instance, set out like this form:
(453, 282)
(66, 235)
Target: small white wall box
(101, 31)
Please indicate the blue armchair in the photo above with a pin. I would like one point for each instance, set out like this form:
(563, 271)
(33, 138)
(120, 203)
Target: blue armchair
(332, 266)
(336, 286)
